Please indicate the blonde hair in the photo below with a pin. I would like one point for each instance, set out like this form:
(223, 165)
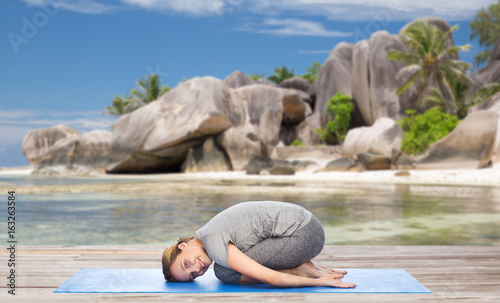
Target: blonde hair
(169, 256)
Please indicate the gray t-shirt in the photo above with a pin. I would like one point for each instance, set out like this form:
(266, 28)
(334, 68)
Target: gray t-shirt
(248, 223)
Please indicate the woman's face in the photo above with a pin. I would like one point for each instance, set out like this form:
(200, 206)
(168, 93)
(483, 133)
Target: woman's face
(192, 262)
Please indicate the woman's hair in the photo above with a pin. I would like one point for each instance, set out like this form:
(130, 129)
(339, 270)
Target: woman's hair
(169, 256)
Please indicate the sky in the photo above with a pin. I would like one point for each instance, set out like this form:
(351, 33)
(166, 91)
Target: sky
(63, 61)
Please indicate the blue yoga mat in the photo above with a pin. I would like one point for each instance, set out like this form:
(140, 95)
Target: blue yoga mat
(120, 280)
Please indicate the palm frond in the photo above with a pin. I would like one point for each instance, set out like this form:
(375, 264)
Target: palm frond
(408, 71)
(436, 98)
(448, 93)
(405, 57)
(461, 65)
(408, 83)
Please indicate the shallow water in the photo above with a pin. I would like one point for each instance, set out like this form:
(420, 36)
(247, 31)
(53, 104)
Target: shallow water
(361, 214)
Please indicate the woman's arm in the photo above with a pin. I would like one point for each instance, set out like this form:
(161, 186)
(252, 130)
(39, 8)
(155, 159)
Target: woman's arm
(253, 271)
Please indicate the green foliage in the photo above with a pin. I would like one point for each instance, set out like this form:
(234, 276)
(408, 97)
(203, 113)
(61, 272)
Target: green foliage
(297, 143)
(281, 74)
(430, 63)
(486, 27)
(150, 89)
(481, 95)
(312, 72)
(459, 87)
(420, 131)
(340, 107)
(119, 106)
(256, 77)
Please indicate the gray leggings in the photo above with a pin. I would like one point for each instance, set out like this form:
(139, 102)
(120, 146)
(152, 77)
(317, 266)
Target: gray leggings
(281, 253)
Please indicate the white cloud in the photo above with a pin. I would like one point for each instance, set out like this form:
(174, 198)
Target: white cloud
(296, 27)
(91, 7)
(356, 10)
(191, 7)
(17, 113)
(368, 10)
(290, 27)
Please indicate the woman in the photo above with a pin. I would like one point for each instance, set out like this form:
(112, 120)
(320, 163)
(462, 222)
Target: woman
(255, 242)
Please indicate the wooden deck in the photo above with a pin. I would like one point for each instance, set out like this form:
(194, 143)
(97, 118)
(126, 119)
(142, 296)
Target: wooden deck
(452, 273)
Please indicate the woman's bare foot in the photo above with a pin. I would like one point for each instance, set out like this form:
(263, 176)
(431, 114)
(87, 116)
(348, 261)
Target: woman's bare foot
(309, 269)
(330, 270)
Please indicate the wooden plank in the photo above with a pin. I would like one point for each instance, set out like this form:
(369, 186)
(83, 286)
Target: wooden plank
(465, 273)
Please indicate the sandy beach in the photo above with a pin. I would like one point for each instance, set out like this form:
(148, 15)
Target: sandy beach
(306, 181)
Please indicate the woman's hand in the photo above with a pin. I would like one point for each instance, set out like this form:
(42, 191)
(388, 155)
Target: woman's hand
(254, 272)
(331, 281)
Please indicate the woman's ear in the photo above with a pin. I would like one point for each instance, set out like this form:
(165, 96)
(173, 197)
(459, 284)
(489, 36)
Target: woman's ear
(182, 245)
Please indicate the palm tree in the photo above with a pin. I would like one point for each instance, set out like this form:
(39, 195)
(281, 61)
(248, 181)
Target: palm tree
(281, 74)
(459, 88)
(430, 63)
(256, 77)
(119, 106)
(150, 89)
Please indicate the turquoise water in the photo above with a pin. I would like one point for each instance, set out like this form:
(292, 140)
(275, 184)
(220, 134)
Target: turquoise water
(354, 214)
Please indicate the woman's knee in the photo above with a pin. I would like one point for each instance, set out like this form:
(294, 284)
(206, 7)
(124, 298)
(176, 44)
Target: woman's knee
(310, 238)
(313, 237)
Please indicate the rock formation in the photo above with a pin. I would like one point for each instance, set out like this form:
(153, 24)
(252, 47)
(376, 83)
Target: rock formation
(206, 158)
(258, 165)
(296, 83)
(158, 136)
(342, 164)
(383, 81)
(39, 141)
(238, 79)
(470, 145)
(334, 76)
(78, 154)
(243, 121)
(382, 137)
(492, 104)
(374, 161)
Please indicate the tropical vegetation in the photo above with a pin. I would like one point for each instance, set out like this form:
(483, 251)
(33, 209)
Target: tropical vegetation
(149, 89)
(256, 77)
(421, 130)
(486, 27)
(431, 64)
(340, 108)
(459, 88)
(281, 74)
(312, 72)
(297, 143)
(119, 106)
(481, 95)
